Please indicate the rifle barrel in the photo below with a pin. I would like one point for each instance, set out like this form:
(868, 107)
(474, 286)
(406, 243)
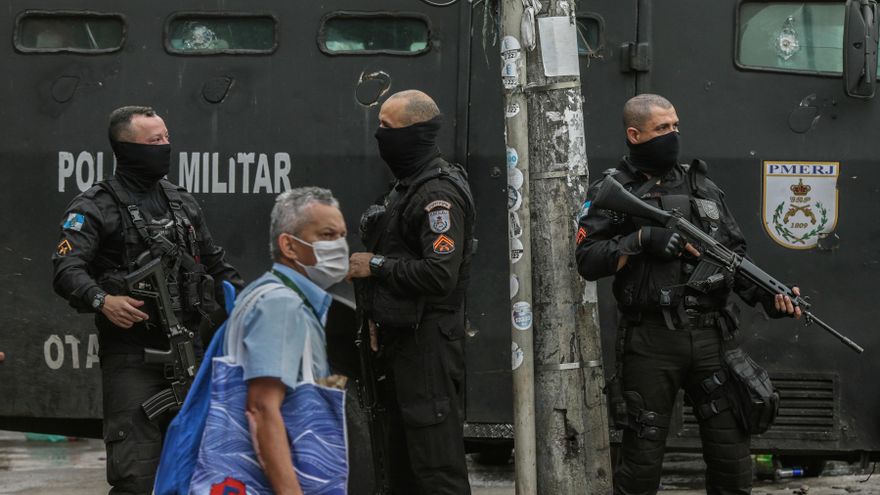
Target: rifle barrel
(843, 338)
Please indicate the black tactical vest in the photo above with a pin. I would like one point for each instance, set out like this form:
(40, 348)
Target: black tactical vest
(650, 284)
(392, 241)
(172, 237)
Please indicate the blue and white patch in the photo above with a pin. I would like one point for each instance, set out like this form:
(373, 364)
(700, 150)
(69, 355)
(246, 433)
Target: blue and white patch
(75, 221)
(584, 209)
(438, 220)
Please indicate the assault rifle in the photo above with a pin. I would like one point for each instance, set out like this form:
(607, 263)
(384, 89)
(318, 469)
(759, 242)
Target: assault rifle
(149, 283)
(369, 395)
(715, 257)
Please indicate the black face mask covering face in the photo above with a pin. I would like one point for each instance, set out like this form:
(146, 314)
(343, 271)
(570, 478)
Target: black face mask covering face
(655, 157)
(141, 165)
(406, 149)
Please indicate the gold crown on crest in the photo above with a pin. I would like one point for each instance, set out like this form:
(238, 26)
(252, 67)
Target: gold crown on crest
(800, 189)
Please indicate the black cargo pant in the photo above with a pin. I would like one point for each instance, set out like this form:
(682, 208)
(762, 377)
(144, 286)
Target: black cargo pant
(133, 442)
(657, 363)
(423, 392)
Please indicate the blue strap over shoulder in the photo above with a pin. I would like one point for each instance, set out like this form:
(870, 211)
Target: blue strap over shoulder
(181, 447)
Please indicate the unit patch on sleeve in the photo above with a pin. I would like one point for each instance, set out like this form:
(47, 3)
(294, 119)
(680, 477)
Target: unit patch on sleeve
(64, 247)
(444, 245)
(74, 221)
(584, 210)
(438, 204)
(438, 220)
(581, 235)
(707, 208)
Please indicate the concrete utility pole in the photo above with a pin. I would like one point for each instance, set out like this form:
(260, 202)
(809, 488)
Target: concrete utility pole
(517, 138)
(572, 453)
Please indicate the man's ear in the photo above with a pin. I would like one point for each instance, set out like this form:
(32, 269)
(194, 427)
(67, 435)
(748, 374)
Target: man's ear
(632, 134)
(285, 247)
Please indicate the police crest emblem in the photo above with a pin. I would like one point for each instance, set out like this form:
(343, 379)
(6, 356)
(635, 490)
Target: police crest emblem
(439, 221)
(708, 209)
(800, 201)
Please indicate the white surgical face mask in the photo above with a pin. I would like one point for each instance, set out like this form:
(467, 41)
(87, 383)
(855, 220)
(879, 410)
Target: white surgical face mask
(331, 265)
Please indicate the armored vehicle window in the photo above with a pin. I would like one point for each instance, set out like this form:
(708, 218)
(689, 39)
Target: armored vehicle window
(68, 31)
(220, 33)
(590, 35)
(367, 33)
(791, 37)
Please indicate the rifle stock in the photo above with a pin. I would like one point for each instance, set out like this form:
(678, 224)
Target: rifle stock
(611, 195)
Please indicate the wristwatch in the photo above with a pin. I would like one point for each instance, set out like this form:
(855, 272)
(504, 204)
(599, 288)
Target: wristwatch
(376, 263)
(98, 301)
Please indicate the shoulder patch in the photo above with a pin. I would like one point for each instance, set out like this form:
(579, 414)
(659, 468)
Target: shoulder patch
(707, 209)
(64, 247)
(75, 221)
(581, 235)
(585, 208)
(438, 204)
(438, 221)
(444, 245)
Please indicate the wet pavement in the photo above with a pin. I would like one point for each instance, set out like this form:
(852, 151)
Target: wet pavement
(42, 467)
(39, 467)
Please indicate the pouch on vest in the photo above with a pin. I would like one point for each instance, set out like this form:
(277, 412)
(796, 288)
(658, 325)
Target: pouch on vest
(393, 310)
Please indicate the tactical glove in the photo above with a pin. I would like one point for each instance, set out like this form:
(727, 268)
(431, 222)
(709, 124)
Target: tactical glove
(661, 242)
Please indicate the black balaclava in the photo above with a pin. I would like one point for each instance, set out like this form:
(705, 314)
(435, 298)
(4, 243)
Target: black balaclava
(655, 157)
(141, 165)
(406, 149)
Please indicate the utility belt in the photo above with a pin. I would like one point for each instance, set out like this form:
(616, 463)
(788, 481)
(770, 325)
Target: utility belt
(683, 319)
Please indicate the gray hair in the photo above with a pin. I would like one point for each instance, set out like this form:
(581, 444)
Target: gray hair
(637, 110)
(419, 107)
(291, 212)
(120, 121)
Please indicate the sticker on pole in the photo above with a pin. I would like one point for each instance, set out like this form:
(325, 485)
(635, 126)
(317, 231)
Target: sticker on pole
(512, 158)
(514, 285)
(511, 110)
(515, 225)
(514, 199)
(515, 178)
(516, 250)
(510, 74)
(522, 315)
(509, 44)
(517, 356)
(800, 201)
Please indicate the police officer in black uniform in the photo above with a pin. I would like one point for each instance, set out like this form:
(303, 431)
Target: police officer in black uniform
(110, 230)
(670, 335)
(421, 242)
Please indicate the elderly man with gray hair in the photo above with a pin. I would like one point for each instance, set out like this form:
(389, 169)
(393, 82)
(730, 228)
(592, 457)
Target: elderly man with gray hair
(310, 254)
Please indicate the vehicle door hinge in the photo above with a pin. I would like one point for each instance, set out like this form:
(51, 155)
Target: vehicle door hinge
(635, 57)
